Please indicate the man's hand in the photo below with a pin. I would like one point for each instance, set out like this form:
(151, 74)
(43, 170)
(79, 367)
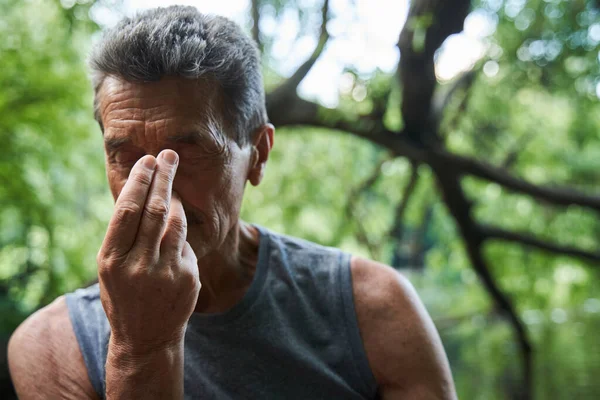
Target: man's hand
(149, 283)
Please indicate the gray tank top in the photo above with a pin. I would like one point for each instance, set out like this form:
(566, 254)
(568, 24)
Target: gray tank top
(294, 334)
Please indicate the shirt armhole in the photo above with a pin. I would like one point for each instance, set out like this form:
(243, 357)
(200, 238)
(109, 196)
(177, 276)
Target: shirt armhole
(86, 341)
(359, 355)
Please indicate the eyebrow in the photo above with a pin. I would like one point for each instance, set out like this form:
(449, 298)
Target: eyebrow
(187, 138)
(199, 136)
(194, 137)
(112, 144)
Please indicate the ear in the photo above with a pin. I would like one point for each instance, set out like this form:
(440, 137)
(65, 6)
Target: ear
(263, 143)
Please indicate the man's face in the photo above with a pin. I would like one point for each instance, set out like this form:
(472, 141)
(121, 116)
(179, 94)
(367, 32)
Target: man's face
(174, 113)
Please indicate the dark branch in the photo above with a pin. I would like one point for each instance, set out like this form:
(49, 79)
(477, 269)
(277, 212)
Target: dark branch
(403, 204)
(460, 208)
(513, 154)
(428, 24)
(560, 196)
(464, 83)
(362, 235)
(523, 238)
(288, 88)
(300, 112)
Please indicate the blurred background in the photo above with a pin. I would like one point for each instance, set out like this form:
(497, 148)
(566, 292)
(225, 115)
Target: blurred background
(466, 154)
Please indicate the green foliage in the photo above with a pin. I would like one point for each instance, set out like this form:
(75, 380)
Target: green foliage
(52, 193)
(538, 115)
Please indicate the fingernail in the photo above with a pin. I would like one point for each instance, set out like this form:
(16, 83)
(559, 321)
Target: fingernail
(170, 157)
(149, 162)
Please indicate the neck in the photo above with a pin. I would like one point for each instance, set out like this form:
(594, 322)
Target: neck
(227, 272)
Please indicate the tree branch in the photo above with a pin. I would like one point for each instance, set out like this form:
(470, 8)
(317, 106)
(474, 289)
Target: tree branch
(362, 235)
(464, 82)
(490, 232)
(518, 146)
(288, 88)
(557, 195)
(460, 208)
(428, 24)
(403, 204)
(304, 113)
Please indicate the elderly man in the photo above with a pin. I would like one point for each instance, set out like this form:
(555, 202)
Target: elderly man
(192, 302)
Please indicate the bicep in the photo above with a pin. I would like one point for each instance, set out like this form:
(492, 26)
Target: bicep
(402, 344)
(44, 357)
(420, 348)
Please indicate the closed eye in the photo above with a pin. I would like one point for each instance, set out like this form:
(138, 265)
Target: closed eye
(209, 142)
(123, 158)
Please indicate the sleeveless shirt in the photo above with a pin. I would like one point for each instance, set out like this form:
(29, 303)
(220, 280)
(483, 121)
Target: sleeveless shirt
(294, 334)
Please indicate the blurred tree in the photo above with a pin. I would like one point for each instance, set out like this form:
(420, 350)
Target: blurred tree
(493, 174)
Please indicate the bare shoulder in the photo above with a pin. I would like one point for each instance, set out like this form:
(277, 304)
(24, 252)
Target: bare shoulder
(44, 358)
(402, 344)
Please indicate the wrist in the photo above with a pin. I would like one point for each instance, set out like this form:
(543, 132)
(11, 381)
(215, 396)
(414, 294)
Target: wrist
(125, 355)
(126, 344)
(154, 373)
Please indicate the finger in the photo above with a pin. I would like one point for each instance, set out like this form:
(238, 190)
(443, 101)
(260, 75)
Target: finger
(125, 221)
(188, 253)
(173, 239)
(156, 210)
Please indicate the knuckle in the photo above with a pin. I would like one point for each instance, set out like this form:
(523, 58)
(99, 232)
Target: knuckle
(167, 276)
(191, 280)
(178, 224)
(149, 255)
(126, 211)
(189, 252)
(142, 177)
(138, 274)
(110, 262)
(157, 210)
(100, 257)
(104, 272)
(106, 269)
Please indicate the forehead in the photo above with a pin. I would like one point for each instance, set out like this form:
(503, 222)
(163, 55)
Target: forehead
(169, 103)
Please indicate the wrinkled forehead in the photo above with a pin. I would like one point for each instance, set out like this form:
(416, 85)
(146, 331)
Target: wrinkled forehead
(167, 106)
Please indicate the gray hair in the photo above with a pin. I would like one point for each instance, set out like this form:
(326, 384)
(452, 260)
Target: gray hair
(180, 41)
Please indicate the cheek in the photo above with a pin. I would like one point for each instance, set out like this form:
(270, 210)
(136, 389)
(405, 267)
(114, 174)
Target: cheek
(232, 183)
(210, 191)
(196, 190)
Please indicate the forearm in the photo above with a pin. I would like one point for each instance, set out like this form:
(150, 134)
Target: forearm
(156, 374)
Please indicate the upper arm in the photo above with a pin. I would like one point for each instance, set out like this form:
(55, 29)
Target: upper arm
(44, 358)
(402, 344)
